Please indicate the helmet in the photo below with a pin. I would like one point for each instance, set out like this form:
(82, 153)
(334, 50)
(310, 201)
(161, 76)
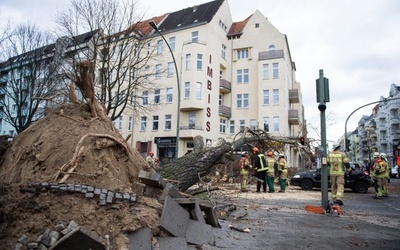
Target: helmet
(151, 153)
(376, 155)
(270, 154)
(255, 149)
(336, 146)
(281, 156)
(383, 155)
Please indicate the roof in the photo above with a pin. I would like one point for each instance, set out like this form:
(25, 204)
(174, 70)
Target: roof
(237, 27)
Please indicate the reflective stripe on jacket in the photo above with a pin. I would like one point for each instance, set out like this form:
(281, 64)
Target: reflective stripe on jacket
(336, 162)
(271, 162)
(260, 163)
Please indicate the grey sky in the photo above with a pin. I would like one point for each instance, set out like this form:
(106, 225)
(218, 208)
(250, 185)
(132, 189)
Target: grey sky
(356, 43)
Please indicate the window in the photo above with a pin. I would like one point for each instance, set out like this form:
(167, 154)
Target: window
(171, 42)
(245, 100)
(169, 95)
(276, 96)
(222, 126)
(276, 123)
(155, 122)
(187, 61)
(266, 123)
(239, 101)
(198, 90)
(158, 71)
(257, 25)
(232, 126)
(157, 96)
(159, 47)
(223, 51)
(168, 122)
(242, 125)
(275, 70)
(271, 47)
(130, 123)
(253, 124)
(145, 97)
(199, 61)
(143, 121)
(192, 120)
(266, 97)
(265, 71)
(187, 89)
(195, 37)
(242, 101)
(242, 76)
(171, 69)
(120, 121)
(242, 53)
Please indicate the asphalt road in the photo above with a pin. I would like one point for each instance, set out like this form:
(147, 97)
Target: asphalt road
(279, 221)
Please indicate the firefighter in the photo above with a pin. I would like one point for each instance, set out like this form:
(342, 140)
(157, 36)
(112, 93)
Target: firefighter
(261, 167)
(271, 172)
(379, 176)
(282, 169)
(375, 164)
(337, 162)
(245, 167)
(387, 175)
(150, 159)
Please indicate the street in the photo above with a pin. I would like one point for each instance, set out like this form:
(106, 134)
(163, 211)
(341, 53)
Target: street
(279, 220)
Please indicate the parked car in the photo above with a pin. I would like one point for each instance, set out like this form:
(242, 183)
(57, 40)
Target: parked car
(394, 173)
(359, 181)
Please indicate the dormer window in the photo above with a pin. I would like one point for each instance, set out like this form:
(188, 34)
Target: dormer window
(271, 47)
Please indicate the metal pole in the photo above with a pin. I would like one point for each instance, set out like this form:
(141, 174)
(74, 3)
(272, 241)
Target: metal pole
(154, 26)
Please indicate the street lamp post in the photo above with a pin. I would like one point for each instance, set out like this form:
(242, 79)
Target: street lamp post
(154, 26)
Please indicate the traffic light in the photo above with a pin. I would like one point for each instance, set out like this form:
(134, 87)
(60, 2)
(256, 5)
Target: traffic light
(302, 140)
(348, 145)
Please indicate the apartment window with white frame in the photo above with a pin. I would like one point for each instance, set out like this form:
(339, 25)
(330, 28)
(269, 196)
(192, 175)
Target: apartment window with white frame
(265, 97)
(169, 95)
(276, 96)
(253, 124)
(239, 101)
(245, 100)
(242, 76)
(199, 61)
(171, 69)
(276, 123)
(155, 122)
(232, 126)
(198, 90)
(168, 122)
(187, 61)
(159, 47)
(195, 37)
(171, 42)
(158, 71)
(157, 95)
(145, 96)
(275, 70)
(242, 53)
(192, 120)
(120, 122)
(222, 126)
(242, 125)
(187, 89)
(143, 123)
(130, 123)
(266, 71)
(266, 123)
(223, 51)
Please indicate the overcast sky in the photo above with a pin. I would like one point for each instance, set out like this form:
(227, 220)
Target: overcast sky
(356, 43)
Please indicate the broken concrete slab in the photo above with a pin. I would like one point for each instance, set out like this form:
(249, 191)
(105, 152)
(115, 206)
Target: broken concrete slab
(152, 179)
(79, 238)
(170, 190)
(140, 240)
(174, 218)
(199, 233)
(172, 243)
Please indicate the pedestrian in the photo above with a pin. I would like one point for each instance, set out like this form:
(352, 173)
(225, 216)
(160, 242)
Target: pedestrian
(387, 175)
(271, 171)
(245, 167)
(338, 164)
(261, 167)
(150, 159)
(282, 169)
(379, 176)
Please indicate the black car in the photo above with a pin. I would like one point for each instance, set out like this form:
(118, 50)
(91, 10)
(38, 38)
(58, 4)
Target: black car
(359, 181)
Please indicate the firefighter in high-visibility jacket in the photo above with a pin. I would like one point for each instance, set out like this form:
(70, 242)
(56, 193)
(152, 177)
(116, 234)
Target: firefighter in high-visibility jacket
(245, 167)
(379, 176)
(271, 172)
(338, 164)
(387, 175)
(282, 170)
(261, 167)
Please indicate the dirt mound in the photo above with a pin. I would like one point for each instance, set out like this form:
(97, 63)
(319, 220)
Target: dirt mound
(70, 146)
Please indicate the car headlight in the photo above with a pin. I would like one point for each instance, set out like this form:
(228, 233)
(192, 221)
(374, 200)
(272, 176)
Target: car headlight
(296, 176)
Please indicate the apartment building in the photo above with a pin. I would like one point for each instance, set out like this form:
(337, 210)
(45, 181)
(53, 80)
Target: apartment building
(231, 75)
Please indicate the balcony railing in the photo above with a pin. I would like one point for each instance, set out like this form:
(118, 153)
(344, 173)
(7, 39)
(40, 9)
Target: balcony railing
(225, 86)
(271, 54)
(225, 111)
(293, 116)
(294, 96)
